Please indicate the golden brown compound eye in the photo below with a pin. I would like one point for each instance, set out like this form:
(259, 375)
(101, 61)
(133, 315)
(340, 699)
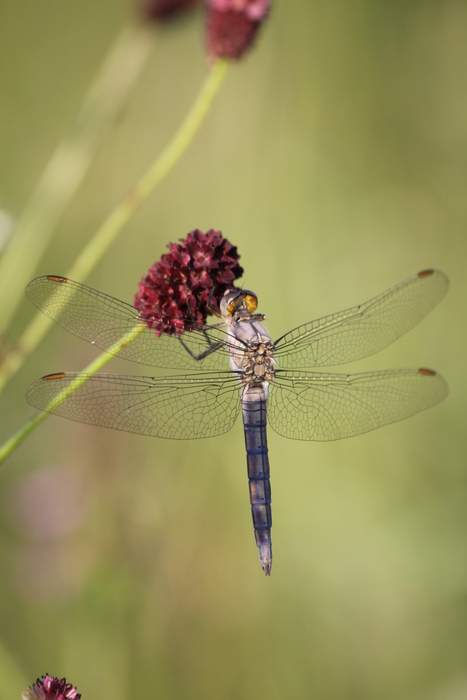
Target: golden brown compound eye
(251, 302)
(231, 307)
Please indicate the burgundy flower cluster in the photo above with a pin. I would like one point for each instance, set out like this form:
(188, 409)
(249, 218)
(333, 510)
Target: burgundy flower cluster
(51, 688)
(178, 291)
(231, 25)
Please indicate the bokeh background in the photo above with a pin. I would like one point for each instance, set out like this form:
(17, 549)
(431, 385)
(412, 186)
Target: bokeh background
(335, 159)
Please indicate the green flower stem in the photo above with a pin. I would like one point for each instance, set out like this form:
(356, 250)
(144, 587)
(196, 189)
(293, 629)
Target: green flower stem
(117, 220)
(68, 165)
(10, 445)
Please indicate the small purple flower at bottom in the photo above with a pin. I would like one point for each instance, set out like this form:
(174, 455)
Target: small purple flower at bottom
(180, 289)
(161, 10)
(51, 688)
(232, 25)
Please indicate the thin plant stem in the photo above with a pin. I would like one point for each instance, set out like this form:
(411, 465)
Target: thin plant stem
(69, 164)
(12, 443)
(118, 219)
(120, 216)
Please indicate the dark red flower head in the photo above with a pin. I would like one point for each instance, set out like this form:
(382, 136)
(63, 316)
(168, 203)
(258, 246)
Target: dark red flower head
(232, 25)
(176, 293)
(161, 10)
(51, 688)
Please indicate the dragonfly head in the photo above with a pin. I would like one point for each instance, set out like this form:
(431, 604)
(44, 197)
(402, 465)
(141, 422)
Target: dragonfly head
(238, 301)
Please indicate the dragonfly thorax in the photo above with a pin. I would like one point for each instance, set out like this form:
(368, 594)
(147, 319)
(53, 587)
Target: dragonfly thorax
(257, 362)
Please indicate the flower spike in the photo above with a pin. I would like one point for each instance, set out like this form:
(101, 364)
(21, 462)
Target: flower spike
(179, 290)
(51, 688)
(232, 25)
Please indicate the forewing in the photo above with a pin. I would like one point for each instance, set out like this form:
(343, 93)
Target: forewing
(181, 408)
(308, 406)
(103, 321)
(362, 330)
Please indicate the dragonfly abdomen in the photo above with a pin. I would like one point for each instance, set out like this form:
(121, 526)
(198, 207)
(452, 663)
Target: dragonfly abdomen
(254, 421)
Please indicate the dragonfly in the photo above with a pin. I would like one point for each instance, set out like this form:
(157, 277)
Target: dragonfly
(276, 383)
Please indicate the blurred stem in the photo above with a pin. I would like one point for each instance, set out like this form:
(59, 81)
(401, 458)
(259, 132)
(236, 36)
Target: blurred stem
(120, 216)
(68, 165)
(10, 445)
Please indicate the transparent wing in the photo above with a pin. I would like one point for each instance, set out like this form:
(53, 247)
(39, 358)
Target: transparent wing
(322, 407)
(103, 321)
(180, 408)
(365, 329)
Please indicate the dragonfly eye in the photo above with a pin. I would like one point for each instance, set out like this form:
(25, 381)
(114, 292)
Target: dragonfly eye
(238, 299)
(231, 307)
(229, 302)
(250, 301)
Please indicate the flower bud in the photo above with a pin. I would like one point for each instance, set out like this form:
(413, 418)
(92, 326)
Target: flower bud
(51, 688)
(232, 25)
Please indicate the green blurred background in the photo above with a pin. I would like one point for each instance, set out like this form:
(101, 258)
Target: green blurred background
(335, 159)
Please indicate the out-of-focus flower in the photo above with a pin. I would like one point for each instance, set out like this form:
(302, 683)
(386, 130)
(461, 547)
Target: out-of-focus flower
(178, 290)
(162, 10)
(50, 503)
(232, 25)
(51, 688)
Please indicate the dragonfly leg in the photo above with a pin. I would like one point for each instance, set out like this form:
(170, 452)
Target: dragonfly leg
(210, 307)
(212, 348)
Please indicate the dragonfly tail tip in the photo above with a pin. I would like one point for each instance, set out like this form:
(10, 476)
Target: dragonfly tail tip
(266, 566)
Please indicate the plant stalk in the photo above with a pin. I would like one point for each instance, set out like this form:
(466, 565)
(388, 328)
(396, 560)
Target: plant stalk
(120, 216)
